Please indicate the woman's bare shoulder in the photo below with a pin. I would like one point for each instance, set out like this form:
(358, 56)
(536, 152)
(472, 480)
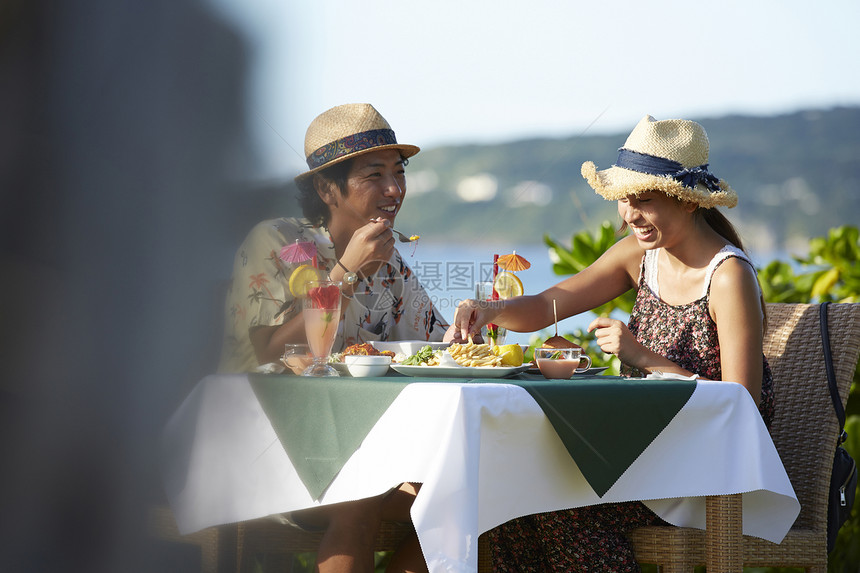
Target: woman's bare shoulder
(734, 285)
(734, 273)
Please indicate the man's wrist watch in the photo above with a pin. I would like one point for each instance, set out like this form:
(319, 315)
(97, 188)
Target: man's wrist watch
(349, 277)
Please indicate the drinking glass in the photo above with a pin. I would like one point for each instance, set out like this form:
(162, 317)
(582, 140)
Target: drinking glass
(561, 363)
(492, 333)
(296, 357)
(321, 311)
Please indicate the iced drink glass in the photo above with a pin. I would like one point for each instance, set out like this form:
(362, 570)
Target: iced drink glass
(493, 334)
(321, 313)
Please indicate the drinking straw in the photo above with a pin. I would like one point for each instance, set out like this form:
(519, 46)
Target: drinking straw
(495, 295)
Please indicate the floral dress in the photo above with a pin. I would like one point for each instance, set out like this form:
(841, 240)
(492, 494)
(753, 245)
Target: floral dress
(686, 334)
(593, 538)
(389, 305)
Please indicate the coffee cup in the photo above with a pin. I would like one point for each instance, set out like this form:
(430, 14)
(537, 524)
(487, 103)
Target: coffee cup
(561, 363)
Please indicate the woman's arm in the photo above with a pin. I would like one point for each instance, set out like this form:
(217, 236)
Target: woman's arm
(613, 274)
(735, 306)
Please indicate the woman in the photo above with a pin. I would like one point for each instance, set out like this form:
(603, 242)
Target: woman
(350, 196)
(698, 311)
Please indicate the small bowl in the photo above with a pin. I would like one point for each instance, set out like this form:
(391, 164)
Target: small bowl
(560, 363)
(367, 366)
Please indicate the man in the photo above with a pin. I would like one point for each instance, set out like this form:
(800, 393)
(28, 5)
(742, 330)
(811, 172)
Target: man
(350, 197)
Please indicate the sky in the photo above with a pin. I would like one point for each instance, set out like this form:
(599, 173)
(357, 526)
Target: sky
(460, 71)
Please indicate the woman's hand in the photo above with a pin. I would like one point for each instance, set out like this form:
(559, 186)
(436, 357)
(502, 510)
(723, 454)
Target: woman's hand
(454, 335)
(614, 337)
(471, 315)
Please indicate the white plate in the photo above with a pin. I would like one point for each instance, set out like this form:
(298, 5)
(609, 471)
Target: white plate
(407, 347)
(459, 371)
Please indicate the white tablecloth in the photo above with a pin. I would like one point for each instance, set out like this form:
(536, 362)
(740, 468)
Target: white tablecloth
(485, 453)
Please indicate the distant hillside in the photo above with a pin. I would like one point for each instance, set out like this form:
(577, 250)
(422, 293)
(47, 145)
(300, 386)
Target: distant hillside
(797, 175)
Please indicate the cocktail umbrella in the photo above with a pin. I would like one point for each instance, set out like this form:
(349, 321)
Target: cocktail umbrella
(513, 262)
(299, 252)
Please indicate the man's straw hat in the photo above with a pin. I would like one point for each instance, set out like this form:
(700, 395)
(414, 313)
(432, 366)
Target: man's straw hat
(669, 156)
(347, 131)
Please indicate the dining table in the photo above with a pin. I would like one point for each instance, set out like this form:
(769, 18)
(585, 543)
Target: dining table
(485, 450)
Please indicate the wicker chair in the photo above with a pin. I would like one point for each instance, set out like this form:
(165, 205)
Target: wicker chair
(271, 545)
(804, 432)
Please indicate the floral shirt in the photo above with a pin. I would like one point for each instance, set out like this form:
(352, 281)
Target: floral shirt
(686, 334)
(389, 305)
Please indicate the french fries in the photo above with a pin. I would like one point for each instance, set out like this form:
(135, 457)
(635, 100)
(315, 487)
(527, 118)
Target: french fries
(471, 354)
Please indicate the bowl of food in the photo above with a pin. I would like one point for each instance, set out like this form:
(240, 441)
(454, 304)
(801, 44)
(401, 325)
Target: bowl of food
(364, 366)
(561, 363)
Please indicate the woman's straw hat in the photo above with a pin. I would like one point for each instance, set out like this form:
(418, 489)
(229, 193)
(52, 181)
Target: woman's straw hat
(669, 156)
(346, 131)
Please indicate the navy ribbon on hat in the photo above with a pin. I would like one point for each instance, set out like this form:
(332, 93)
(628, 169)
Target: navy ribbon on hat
(349, 145)
(653, 165)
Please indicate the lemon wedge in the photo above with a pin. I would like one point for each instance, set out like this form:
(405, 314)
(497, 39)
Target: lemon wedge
(512, 354)
(301, 277)
(508, 285)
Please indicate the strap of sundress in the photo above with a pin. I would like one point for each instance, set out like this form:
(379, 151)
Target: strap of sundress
(649, 271)
(726, 252)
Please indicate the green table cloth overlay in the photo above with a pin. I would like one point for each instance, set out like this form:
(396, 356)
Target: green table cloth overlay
(321, 422)
(607, 422)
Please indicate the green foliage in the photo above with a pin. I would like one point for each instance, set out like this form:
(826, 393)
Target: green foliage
(780, 284)
(829, 272)
(837, 256)
(585, 249)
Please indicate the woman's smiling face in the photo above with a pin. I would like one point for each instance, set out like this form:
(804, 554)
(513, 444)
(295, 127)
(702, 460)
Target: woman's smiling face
(655, 218)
